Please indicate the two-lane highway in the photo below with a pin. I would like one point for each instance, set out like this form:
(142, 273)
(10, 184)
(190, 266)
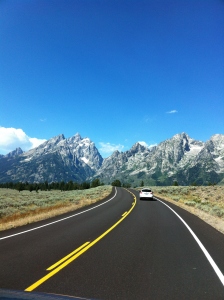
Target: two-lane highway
(123, 249)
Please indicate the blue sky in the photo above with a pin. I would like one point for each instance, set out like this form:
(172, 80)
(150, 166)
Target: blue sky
(116, 71)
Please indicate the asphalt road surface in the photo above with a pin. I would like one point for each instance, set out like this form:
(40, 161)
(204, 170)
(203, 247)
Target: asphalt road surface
(120, 248)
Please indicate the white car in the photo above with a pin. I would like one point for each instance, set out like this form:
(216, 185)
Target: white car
(145, 194)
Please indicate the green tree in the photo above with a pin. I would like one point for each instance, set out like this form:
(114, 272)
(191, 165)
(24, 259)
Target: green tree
(46, 185)
(70, 185)
(31, 187)
(76, 186)
(95, 183)
(116, 183)
(85, 185)
(20, 186)
(126, 185)
(175, 183)
(62, 186)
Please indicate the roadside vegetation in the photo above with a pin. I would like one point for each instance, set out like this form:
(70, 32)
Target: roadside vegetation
(23, 203)
(22, 207)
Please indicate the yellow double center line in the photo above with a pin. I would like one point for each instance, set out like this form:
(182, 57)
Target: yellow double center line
(76, 253)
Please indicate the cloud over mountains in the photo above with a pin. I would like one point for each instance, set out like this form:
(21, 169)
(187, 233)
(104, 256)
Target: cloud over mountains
(108, 148)
(11, 138)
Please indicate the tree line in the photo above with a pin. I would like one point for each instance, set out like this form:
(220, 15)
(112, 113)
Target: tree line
(118, 183)
(45, 186)
(70, 185)
(63, 186)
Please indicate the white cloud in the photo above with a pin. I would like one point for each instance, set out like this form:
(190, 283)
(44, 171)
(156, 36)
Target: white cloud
(143, 144)
(108, 148)
(36, 142)
(146, 145)
(152, 145)
(12, 138)
(172, 112)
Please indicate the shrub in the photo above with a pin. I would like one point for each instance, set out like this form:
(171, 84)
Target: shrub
(190, 203)
(217, 211)
(176, 198)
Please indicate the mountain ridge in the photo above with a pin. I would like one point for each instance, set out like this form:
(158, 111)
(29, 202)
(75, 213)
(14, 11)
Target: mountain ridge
(179, 158)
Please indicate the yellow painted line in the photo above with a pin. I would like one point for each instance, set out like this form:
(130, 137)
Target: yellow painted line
(68, 261)
(66, 257)
(124, 214)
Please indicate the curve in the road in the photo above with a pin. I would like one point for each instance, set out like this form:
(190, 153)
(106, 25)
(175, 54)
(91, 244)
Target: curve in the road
(70, 257)
(45, 225)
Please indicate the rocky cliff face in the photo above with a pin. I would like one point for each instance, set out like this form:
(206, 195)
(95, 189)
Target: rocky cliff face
(57, 159)
(180, 158)
(14, 153)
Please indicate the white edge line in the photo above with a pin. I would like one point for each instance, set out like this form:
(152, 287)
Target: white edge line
(208, 256)
(6, 237)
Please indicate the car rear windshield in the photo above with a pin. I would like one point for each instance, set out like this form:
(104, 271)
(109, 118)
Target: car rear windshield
(146, 190)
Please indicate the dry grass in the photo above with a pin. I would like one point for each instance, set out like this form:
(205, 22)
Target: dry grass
(20, 208)
(207, 202)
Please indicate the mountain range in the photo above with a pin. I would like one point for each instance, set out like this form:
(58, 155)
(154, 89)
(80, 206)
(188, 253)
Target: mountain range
(179, 158)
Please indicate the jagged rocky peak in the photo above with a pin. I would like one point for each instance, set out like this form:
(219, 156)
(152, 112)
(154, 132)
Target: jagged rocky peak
(183, 141)
(116, 153)
(51, 142)
(170, 152)
(77, 158)
(153, 148)
(218, 140)
(175, 141)
(209, 146)
(15, 152)
(75, 138)
(57, 139)
(215, 145)
(137, 147)
(182, 135)
(78, 140)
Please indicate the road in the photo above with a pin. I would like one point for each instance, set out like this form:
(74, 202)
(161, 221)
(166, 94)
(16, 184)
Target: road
(125, 248)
